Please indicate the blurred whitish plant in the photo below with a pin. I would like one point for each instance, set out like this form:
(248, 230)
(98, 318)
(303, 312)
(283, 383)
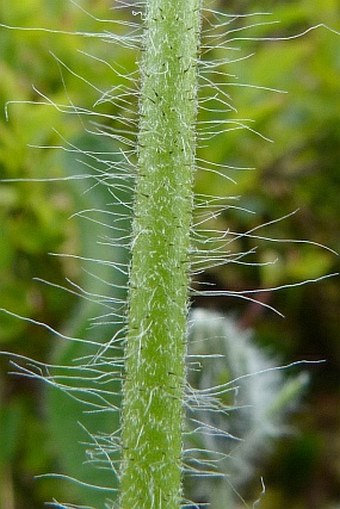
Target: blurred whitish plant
(127, 377)
(249, 399)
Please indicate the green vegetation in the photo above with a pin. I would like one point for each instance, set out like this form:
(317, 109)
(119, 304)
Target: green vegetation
(153, 392)
(299, 170)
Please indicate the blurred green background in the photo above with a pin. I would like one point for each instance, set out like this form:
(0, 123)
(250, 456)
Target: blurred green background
(300, 170)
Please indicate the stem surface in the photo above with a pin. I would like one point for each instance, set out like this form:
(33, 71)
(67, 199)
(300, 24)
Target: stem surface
(152, 415)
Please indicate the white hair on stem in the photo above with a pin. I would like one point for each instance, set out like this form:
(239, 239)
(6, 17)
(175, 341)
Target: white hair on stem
(223, 430)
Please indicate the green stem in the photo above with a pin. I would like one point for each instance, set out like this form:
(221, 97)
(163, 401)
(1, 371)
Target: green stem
(152, 415)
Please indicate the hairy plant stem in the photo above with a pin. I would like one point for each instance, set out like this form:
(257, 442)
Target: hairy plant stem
(152, 415)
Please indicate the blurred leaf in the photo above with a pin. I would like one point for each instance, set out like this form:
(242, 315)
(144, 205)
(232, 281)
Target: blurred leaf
(11, 422)
(69, 422)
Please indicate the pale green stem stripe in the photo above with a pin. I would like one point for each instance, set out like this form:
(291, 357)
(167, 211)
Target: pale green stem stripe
(152, 415)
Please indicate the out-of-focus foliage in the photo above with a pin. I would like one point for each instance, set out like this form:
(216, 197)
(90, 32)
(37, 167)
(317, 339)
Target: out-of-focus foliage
(35, 217)
(299, 170)
(257, 408)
